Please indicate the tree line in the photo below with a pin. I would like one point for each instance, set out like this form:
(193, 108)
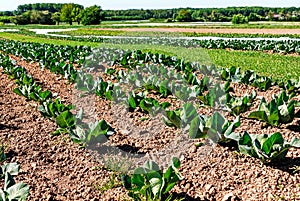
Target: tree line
(207, 14)
(51, 13)
(54, 13)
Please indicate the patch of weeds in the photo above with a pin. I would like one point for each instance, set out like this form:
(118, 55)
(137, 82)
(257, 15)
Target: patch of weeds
(296, 170)
(279, 184)
(64, 138)
(116, 163)
(144, 118)
(113, 182)
(245, 180)
(237, 154)
(199, 144)
(2, 152)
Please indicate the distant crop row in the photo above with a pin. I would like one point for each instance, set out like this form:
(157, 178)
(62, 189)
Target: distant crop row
(286, 46)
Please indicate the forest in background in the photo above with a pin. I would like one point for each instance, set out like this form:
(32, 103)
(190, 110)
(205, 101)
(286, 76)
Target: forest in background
(54, 13)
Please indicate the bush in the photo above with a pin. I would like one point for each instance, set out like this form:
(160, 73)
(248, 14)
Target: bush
(152, 19)
(5, 19)
(169, 20)
(20, 20)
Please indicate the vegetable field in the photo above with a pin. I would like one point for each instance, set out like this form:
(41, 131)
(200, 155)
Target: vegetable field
(110, 124)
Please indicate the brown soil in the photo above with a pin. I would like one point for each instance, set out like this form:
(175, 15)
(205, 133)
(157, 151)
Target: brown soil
(210, 30)
(57, 169)
(54, 167)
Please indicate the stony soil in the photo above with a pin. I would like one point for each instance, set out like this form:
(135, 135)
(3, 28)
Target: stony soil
(57, 169)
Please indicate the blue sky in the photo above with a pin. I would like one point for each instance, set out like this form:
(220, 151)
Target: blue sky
(127, 4)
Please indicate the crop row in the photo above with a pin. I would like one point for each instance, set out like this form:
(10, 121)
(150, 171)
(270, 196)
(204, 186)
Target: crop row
(130, 59)
(80, 133)
(52, 107)
(215, 127)
(53, 55)
(59, 62)
(199, 125)
(95, 32)
(172, 117)
(278, 46)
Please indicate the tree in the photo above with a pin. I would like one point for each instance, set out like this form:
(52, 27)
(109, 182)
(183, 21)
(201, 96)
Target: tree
(91, 15)
(35, 16)
(69, 12)
(45, 18)
(254, 17)
(20, 20)
(239, 19)
(66, 13)
(184, 16)
(5, 19)
(76, 14)
(56, 17)
(214, 16)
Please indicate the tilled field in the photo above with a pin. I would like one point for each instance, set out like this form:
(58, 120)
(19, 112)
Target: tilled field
(57, 169)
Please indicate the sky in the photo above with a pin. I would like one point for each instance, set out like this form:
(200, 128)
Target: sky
(151, 4)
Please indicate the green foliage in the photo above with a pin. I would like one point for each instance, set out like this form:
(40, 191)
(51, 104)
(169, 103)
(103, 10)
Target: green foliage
(150, 183)
(20, 20)
(150, 105)
(5, 19)
(205, 14)
(66, 120)
(184, 16)
(97, 132)
(2, 152)
(238, 105)
(33, 17)
(219, 129)
(12, 191)
(281, 110)
(172, 118)
(215, 128)
(33, 92)
(51, 7)
(56, 17)
(262, 82)
(76, 14)
(291, 85)
(91, 15)
(217, 96)
(52, 109)
(255, 17)
(69, 12)
(268, 148)
(239, 19)
(86, 82)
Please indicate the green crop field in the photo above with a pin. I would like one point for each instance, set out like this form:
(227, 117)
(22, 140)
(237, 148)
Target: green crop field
(276, 65)
(149, 107)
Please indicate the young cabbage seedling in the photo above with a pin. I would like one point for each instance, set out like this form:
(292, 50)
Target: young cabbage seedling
(150, 183)
(268, 148)
(12, 191)
(281, 110)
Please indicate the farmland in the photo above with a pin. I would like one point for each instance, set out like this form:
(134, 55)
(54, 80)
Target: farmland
(156, 116)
